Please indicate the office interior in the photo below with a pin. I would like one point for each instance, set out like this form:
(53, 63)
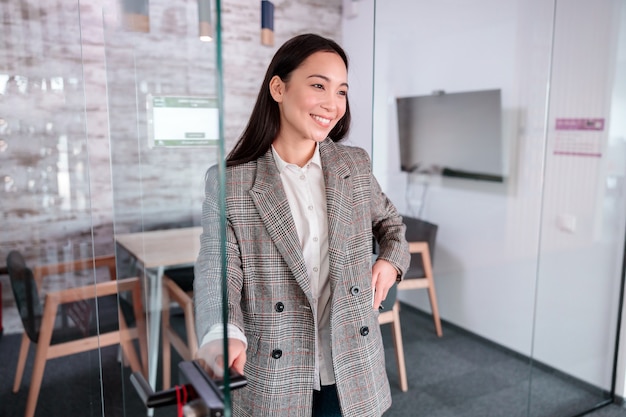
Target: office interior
(531, 261)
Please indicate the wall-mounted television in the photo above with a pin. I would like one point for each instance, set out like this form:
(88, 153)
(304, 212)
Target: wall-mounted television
(452, 134)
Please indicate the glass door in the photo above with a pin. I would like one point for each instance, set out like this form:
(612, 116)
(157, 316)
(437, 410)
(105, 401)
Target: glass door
(164, 125)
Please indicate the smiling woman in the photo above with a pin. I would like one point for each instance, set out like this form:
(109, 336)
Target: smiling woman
(300, 211)
(311, 103)
(265, 120)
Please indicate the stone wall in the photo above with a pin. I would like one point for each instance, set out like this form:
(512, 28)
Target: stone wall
(75, 165)
(72, 97)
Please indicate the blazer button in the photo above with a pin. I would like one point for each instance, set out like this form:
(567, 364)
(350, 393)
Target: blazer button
(354, 290)
(365, 331)
(277, 353)
(279, 307)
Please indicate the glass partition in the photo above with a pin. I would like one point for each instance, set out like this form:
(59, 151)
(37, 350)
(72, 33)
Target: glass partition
(581, 243)
(110, 117)
(61, 345)
(528, 256)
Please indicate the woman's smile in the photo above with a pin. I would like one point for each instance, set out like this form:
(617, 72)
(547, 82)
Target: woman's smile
(316, 90)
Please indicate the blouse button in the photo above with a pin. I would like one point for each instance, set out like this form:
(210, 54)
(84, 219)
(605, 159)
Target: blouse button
(365, 331)
(354, 290)
(277, 353)
(279, 307)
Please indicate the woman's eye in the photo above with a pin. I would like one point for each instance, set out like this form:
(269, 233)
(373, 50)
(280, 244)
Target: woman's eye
(343, 93)
(318, 86)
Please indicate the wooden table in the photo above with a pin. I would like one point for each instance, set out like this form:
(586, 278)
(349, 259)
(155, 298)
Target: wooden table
(156, 251)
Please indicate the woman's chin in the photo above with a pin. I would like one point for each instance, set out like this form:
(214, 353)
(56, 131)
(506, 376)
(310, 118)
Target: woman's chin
(319, 137)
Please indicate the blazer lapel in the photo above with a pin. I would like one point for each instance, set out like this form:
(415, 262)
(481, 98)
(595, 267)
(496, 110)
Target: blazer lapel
(339, 206)
(270, 200)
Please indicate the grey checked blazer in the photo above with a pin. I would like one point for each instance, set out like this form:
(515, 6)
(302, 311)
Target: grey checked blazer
(269, 293)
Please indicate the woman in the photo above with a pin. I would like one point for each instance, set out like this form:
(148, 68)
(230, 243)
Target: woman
(300, 211)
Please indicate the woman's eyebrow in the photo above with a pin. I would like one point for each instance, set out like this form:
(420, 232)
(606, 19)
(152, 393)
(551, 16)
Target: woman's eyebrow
(325, 78)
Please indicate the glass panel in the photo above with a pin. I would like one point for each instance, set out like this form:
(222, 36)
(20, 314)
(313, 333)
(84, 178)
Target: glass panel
(583, 211)
(122, 100)
(441, 57)
(518, 337)
(165, 131)
(54, 222)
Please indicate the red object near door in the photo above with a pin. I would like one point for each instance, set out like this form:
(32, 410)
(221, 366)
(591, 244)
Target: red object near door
(3, 271)
(1, 328)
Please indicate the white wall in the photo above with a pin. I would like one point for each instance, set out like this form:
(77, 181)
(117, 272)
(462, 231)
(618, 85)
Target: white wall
(358, 42)
(507, 267)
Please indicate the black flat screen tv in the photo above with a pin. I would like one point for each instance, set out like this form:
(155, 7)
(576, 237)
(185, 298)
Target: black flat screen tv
(452, 134)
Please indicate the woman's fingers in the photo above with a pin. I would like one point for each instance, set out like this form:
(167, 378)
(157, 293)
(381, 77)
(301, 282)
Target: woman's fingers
(383, 277)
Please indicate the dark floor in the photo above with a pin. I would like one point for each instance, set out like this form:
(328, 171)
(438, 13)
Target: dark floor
(457, 375)
(608, 411)
(462, 375)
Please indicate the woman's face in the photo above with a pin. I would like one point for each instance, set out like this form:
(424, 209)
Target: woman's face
(313, 100)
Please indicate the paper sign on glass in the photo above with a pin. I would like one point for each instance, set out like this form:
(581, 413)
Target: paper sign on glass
(182, 121)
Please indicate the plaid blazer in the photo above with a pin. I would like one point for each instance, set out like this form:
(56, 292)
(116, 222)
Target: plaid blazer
(269, 293)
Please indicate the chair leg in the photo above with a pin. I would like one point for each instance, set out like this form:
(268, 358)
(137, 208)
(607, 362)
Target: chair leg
(140, 323)
(38, 370)
(21, 362)
(428, 270)
(166, 348)
(399, 347)
(126, 342)
(435, 308)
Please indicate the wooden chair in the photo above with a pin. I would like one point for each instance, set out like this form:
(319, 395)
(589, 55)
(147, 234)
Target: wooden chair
(421, 236)
(178, 288)
(391, 314)
(66, 323)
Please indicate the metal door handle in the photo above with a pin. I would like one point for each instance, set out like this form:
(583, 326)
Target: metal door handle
(205, 397)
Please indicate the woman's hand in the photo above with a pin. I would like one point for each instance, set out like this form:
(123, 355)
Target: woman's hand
(384, 275)
(211, 356)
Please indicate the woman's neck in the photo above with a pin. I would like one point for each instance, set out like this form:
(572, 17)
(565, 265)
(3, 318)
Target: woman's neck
(298, 154)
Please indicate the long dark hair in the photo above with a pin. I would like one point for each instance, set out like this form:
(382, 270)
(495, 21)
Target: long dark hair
(264, 122)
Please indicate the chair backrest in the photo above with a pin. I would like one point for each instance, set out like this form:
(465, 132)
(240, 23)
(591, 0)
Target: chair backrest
(25, 293)
(418, 230)
(182, 276)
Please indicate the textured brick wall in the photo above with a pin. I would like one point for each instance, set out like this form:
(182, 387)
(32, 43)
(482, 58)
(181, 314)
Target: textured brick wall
(74, 160)
(66, 126)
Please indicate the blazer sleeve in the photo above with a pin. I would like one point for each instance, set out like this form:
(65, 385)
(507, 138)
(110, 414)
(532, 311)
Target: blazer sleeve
(218, 263)
(389, 230)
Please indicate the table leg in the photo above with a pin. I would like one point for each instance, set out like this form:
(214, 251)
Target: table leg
(155, 297)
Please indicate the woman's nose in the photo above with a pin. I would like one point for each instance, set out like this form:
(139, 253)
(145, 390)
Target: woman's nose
(330, 102)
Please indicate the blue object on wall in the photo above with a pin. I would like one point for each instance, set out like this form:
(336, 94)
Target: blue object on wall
(136, 15)
(267, 23)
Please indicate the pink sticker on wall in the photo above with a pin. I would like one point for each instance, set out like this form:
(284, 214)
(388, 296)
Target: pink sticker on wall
(579, 137)
(580, 124)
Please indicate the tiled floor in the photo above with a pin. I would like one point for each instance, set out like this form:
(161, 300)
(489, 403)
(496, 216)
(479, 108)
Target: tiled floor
(609, 411)
(461, 375)
(440, 385)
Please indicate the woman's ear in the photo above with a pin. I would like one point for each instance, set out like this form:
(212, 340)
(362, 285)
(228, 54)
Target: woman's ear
(277, 87)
